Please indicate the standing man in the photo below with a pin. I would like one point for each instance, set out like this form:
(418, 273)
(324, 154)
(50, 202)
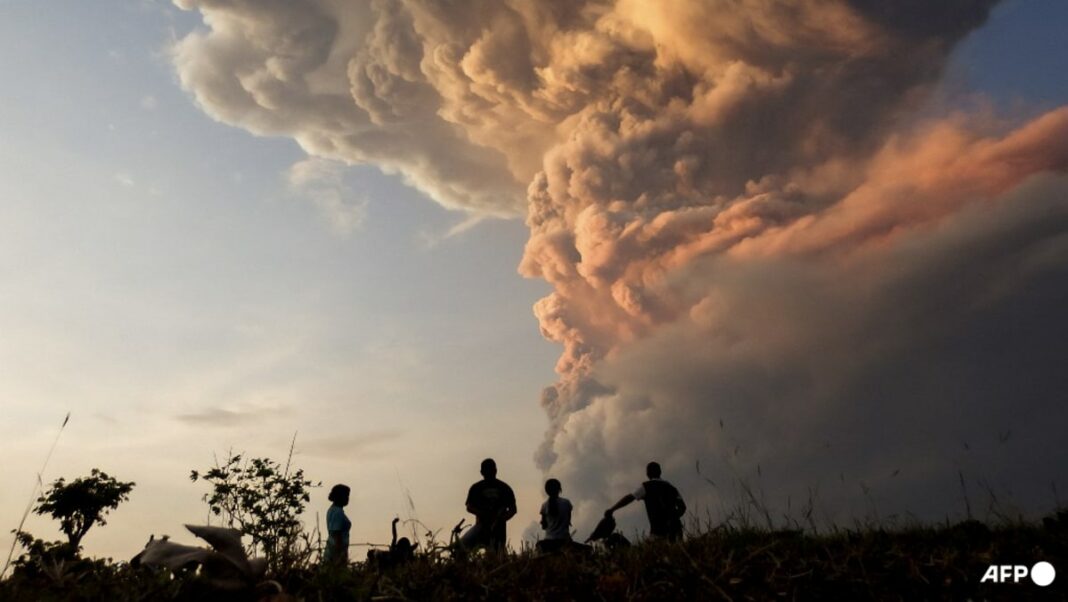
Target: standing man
(493, 504)
(663, 504)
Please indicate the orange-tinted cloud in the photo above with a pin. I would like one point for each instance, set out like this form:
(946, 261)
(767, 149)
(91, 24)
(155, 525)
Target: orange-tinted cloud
(733, 201)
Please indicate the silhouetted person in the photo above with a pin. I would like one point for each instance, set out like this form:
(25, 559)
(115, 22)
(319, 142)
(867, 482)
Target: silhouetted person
(493, 504)
(663, 504)
(555, 519)
(337, 527)
(401, 551)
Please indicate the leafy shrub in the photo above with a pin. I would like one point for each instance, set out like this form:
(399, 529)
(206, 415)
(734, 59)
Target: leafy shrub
(82, 503)
(264, 500)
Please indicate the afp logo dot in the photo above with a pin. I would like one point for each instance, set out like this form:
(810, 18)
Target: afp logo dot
(1043, 574)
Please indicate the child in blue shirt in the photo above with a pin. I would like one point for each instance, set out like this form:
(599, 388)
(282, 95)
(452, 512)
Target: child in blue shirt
(337, 527)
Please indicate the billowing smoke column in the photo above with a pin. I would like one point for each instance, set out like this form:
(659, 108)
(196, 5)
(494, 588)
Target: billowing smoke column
(770, 258)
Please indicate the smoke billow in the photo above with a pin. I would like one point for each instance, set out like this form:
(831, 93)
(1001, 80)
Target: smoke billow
(765, 256)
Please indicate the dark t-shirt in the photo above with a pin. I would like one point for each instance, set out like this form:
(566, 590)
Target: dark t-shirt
(491, 499)
(664, 506)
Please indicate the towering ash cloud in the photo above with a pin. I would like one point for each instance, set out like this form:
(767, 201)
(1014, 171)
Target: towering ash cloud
(764, 258)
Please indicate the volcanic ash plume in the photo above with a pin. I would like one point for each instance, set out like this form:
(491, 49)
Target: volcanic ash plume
(768, 256)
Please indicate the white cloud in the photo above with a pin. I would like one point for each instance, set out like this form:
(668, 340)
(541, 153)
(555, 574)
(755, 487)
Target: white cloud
(322, 182)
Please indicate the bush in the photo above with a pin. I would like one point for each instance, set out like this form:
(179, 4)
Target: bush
(82, 503)
(264, 500)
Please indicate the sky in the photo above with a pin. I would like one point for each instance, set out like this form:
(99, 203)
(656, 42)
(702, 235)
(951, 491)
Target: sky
(205, 245)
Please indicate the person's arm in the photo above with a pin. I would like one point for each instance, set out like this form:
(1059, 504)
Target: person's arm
(333, 540)
(470, 503)
(623, 501)
(510, 509)
(680, 505)
(393, 527)
(335, 523)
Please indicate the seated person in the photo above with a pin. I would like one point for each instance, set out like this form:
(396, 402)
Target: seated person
(401, 551)
(492, 502)
(555, 519)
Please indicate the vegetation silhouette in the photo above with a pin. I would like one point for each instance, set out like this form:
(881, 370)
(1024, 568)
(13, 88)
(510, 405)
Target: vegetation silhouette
(263, 499)
(83, 503)
(730, 557)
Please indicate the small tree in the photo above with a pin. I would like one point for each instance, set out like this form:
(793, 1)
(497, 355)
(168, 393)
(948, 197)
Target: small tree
(82, 503)
(262, 499)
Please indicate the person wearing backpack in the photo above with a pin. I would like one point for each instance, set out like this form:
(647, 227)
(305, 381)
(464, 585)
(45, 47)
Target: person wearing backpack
(663, 504)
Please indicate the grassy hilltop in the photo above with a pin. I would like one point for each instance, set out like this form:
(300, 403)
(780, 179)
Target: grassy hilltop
(919, 563)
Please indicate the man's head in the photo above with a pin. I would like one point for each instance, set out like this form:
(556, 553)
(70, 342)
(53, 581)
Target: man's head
(652, 470)
(489, 468)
